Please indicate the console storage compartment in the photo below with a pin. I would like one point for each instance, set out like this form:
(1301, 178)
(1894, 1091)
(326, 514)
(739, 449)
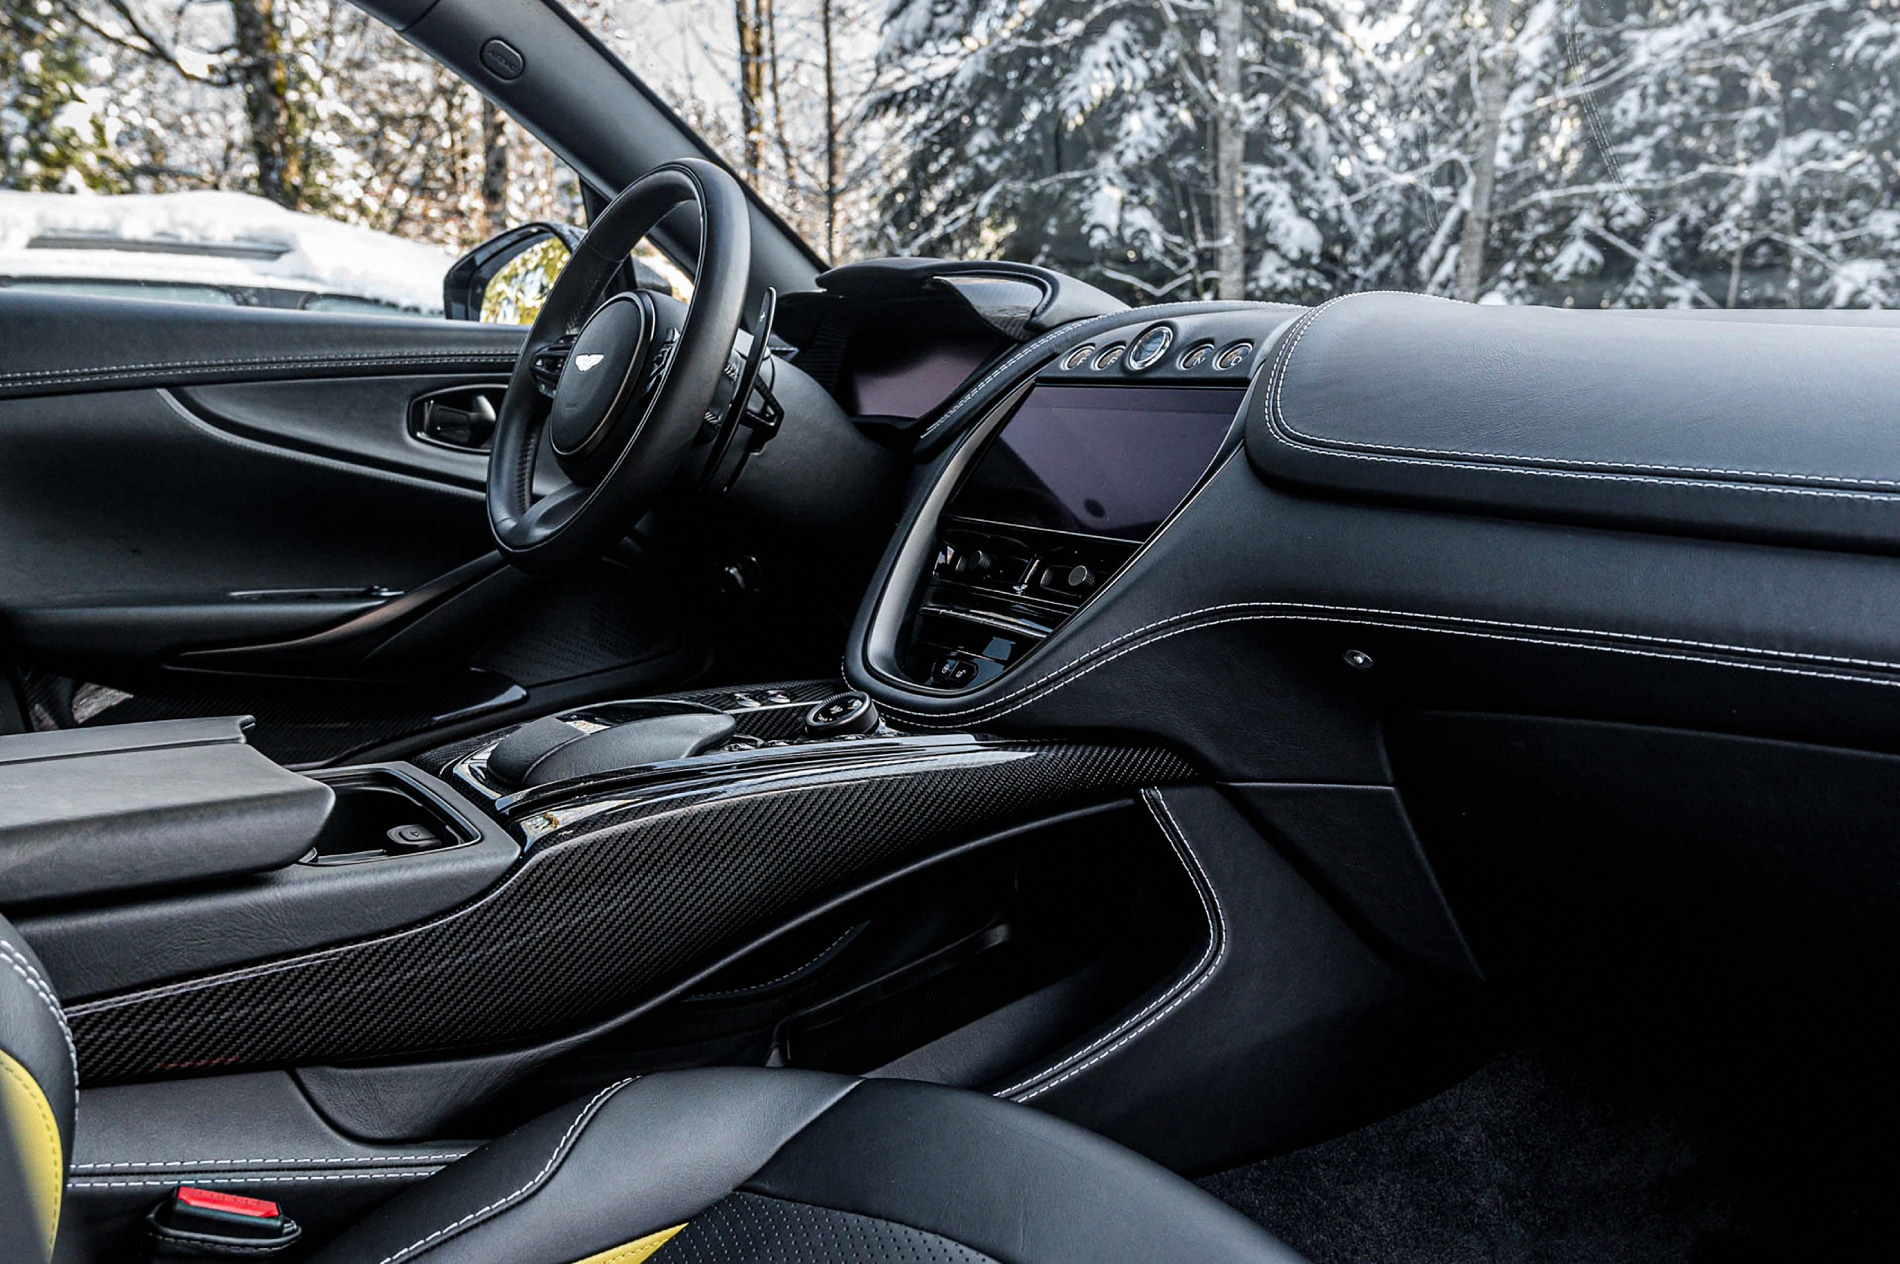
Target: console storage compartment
(385, 810)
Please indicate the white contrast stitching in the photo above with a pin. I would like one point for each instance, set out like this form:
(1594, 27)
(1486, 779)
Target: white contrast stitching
(162, 1182)
(534, 1182)
(385, 359)
(442, 1158)
(24, 968)
(760, 987)
(1768, 489)
(1284, 430)
(1269, 611)
(1200, 974)
(259, 1250)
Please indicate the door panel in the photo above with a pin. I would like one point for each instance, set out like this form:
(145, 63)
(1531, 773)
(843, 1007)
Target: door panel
(125, 497)
(220, 510)
(368, 422)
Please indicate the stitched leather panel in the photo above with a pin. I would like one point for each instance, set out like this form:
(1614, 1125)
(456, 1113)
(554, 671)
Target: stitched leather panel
(1018, 1185)
(28, 1128)
(34, 1032)
(653, 1154)
(637, 1251)
(787, 1166)
(1758, 429)
(59, 344)
(1295, 1006)
(1177, 993)
(37, 1093)
(598, 915)
(751, 1229)
(1225, 637)
(298, 722)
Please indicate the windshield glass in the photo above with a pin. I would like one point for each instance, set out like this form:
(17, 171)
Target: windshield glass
(1727, 153)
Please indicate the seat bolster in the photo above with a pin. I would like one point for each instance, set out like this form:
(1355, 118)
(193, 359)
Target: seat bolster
(638, 1157)
(39, 1086)
(1020, 1186)
(33, 1029)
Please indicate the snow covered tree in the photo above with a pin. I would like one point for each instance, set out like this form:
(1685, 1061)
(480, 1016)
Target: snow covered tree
(1087, 136)
(1596, 152)
(277, 104)
(1641, 152)
(311, 103)
(1461, 132)
(48, 139)
(1759, 139)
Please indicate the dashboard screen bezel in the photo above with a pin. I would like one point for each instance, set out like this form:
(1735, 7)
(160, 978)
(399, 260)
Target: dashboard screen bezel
(891, 610)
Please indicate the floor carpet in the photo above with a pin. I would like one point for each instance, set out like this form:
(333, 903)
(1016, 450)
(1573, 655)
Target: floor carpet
(1557, 1151)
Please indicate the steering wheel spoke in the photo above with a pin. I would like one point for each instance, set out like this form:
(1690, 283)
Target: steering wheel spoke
(556, 509)
(548, 363)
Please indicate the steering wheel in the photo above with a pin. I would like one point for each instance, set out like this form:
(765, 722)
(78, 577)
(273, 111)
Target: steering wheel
(621, 383)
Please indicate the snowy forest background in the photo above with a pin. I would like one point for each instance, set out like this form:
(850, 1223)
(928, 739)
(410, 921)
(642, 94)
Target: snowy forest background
(1577, 152)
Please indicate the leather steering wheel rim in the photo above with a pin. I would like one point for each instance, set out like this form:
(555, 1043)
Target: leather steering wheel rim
(650, 435)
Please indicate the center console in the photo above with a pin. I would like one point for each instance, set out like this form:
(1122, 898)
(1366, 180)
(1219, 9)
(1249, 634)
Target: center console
(561, 755)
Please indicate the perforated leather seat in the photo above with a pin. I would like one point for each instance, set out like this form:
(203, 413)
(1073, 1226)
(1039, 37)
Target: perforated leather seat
(719, 1166)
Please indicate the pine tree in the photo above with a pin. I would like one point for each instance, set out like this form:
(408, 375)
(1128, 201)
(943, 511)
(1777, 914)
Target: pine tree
(1464, 131)
(1707, 153)
(50, 136)
(1087, 137)
(1759, 139)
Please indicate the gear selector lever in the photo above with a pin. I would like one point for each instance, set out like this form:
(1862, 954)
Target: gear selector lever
(552, 749)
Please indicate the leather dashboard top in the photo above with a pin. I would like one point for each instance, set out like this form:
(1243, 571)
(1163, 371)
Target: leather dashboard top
(1756, 429)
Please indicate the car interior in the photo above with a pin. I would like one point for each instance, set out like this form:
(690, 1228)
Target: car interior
(727, 776)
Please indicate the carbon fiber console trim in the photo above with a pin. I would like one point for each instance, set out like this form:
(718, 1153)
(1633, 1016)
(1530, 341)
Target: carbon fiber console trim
(615, 898)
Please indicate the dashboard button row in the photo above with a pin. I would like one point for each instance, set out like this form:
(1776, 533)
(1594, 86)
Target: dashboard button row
(1150, 349)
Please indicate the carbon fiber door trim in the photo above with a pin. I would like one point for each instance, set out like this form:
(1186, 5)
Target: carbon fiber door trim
(599, 913)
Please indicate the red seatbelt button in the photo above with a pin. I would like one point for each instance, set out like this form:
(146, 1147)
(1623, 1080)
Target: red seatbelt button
(236, 1204)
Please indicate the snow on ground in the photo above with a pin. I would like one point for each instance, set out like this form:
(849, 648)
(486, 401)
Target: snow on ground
(268, 246)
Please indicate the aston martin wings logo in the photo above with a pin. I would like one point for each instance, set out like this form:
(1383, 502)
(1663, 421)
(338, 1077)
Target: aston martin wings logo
(586, 362)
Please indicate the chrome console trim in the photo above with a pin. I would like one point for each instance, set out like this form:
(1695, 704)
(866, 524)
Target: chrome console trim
(920, 546)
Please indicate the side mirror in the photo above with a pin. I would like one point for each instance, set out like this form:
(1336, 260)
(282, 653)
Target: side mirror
(505, 280)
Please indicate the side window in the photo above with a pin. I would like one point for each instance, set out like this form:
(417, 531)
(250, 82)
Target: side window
(272, 153)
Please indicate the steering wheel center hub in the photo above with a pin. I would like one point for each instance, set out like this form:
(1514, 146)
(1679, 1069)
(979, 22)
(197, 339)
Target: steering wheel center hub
(597, 384)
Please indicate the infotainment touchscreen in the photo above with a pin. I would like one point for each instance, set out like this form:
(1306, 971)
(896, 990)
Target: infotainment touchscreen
(1103, 460)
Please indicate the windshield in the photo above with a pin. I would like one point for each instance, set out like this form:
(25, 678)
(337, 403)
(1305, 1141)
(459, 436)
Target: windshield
(1728, 153)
